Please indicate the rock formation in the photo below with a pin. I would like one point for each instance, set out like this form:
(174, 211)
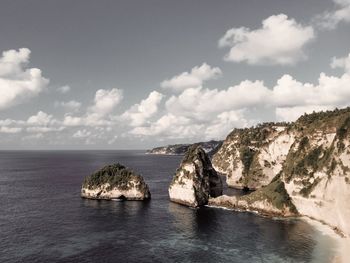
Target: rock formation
(311, 157)
(195, 180)
(115, 182)
(271, 200)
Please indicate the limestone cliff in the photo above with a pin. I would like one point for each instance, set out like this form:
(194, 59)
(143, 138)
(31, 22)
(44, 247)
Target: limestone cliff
(115, 182)
(251, 157)
(311, 157)
(195, 180)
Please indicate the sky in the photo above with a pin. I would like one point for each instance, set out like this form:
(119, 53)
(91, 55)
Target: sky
(134, 74)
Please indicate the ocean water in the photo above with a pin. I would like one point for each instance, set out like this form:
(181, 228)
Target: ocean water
(43, 218)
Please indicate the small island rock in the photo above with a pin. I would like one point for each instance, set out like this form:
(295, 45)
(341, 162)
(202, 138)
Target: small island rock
(115, 182)
(195, 180)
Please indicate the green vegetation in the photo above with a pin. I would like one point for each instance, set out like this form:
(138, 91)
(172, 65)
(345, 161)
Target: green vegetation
(275, 193)
(246, 155)
(115, 175)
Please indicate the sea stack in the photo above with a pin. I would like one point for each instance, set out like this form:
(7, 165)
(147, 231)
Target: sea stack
(195, 180)
(115, 182)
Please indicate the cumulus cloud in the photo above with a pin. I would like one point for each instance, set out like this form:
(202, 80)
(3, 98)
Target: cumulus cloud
(17, 82)
(70, 106)
(343, 63)
(41, 118)
(139, 113)
(329, 90)
(224, 123)
(293, 113)
(169, 126)
(64, 89)
(72, 121)
(194, 78)
(43, 123)
(106, 100)
(10, 130)
(280, 40)
(202, 103)
(204, 113)
(82, 134)
(330, 19)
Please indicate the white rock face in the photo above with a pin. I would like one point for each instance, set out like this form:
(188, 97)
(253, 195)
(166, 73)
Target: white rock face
(195, 181)
(104, 192)
(267, 155)
(272, 156)
(311, 157)
(115, 182)
(184, 193)
(328, 198)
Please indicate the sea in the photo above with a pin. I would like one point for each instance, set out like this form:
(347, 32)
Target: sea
(44, 219)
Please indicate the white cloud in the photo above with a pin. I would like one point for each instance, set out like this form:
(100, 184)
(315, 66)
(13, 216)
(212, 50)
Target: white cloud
(224, 123)
(43, 129)
(72, 121)
(70, 106)
(17, 82)
(10, 130)
(139, 113)
(343, 63)
(64, 89)
(106, 100)
(329, 90)
(171, 127)
(330, 19)
(280, 41)
(41, 118)
(203, 103)
(293, 113)
(82, 134)
(195, 78)
(203, 113)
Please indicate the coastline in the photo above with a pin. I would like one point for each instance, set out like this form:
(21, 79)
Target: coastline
(342, 243)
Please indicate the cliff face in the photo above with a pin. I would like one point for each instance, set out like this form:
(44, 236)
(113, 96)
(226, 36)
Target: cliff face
(251, 157)
(115, 182)
(311, 157)
(195, 180)
(180, 149)
(317, 168)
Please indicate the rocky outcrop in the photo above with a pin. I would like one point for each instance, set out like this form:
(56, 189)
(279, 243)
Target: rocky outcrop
(180, 149)
(195, 180)
(271, 200)
(115, 182)
(311, 157)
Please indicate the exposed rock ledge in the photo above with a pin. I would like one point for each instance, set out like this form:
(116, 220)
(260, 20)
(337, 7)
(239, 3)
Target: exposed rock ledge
(195, 180)
(115, 182)
(272, 200)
